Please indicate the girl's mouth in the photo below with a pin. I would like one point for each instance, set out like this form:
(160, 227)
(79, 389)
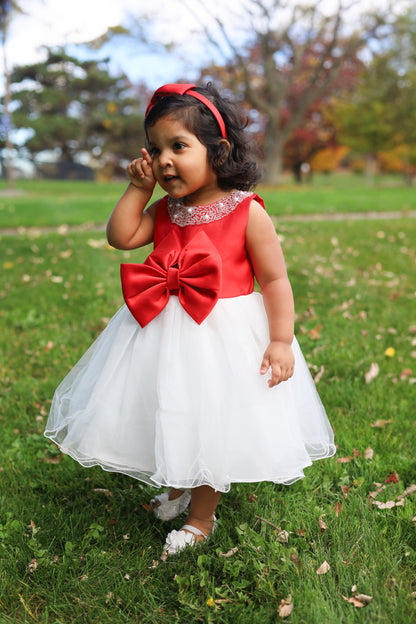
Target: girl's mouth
(169, 178)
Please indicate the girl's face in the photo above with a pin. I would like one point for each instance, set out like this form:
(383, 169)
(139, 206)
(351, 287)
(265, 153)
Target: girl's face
(180, 162)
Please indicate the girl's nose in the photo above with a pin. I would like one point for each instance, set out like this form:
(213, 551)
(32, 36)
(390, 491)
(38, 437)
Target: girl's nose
(165, 158)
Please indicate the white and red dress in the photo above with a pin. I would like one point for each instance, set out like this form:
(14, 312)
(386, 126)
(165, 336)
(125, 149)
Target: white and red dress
(170, 393)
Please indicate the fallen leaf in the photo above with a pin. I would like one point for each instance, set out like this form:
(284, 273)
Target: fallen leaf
(84, 577)
(356, 453)
(387, 505)
(406, 372)
(54, 460)
(323, 568)
(229, 553)
(32, 566)
(319, 374)
(392, 478)
(409, 490)
(380, 423)
(372, 372)
(315, 332)
(285, 607)
(364, 598)
(354, 601)
(296, 560)
(154, 564)
(368, 453)
(102, 491)
(345, 489)
(338, 508)
(282, 537)
(322, 524)
(109, 597)
(344, 460)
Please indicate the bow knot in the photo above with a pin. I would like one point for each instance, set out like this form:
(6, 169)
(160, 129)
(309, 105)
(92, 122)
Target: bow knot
(193, 273)
(173, 279)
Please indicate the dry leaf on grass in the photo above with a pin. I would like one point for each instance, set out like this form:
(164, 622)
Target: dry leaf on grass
(409, 490)
(323, 568)
(387, 505)
(285, 607)
(315, 332)
(322, 524)
(368, 453)
(230, 553)
(296, 560)
(282, 537)
(102, 491)
(360, 600)
(344, 460)
(380, 423)
(372, 372)
(319, 374)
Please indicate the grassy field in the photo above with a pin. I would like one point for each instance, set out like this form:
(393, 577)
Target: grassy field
(78, 546)
(46, 203)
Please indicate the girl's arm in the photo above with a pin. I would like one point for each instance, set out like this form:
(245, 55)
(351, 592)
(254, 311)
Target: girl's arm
(269, 267)
(130, 225)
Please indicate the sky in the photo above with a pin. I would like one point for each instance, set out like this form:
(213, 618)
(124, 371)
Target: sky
(60, 22)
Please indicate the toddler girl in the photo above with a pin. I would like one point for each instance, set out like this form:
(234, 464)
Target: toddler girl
(197, 382)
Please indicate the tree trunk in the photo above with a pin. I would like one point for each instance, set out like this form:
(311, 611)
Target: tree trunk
(6, 113)
(371, 169)
(273, 160)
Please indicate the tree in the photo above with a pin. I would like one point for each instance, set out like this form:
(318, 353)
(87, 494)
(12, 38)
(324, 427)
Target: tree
(289, 63)
(380, 115)
(7, 7)
(73, 106)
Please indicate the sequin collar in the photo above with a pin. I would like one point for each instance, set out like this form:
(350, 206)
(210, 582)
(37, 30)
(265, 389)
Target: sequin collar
(198, 215)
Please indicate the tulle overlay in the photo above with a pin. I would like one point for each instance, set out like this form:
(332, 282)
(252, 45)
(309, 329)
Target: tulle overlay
(181, 404)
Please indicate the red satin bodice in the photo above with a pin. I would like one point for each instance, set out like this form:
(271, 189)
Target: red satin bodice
(228, 235)
(199, 263)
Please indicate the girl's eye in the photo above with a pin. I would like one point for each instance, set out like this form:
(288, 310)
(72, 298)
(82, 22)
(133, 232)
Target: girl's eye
(153, 151)
(178, 146)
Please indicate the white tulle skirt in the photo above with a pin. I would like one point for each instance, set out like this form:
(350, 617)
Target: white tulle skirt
(179, 404)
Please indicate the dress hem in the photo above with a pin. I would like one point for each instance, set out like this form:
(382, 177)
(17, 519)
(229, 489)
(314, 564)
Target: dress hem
(148, 479)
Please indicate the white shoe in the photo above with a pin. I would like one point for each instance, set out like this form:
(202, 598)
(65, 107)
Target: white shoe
(176, 541)
(166, 509)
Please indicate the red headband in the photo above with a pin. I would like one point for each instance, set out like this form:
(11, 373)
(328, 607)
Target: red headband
(188, 89)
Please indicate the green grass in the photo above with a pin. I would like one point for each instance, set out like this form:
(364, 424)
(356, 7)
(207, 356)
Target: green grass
(94, 544)
(46, 203)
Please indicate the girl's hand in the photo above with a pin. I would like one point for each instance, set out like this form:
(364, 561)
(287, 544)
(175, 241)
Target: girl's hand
(140, 172)
(280, 359)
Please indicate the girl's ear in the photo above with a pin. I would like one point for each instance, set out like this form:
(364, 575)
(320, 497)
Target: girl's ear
(223, 151)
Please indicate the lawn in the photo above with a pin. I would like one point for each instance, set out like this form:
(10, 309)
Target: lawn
(46, 203)
(78, 546)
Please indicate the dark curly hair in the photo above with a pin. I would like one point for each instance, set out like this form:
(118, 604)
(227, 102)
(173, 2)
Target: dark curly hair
(234, 168)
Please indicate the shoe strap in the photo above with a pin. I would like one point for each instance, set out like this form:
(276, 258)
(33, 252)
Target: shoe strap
(192, 529)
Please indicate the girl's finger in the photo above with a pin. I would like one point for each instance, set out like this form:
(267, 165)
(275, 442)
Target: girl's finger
(146, 156)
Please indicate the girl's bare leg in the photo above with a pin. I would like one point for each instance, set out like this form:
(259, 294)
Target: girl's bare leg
(204, 502)
(173, 495)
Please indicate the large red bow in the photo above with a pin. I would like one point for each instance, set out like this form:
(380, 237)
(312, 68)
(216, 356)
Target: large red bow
(193, 273)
